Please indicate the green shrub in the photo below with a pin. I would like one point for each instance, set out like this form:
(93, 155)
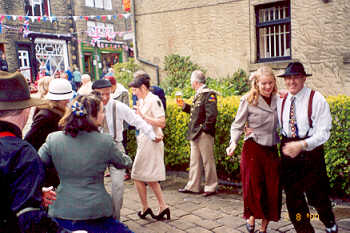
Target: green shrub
(177, 147)
(337, 148)
(123, 71)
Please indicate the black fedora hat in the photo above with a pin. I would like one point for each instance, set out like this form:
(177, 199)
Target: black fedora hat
(294, 68)
(101, 83)
(14, 92)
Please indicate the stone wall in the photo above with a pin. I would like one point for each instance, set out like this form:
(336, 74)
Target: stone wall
(220, 36)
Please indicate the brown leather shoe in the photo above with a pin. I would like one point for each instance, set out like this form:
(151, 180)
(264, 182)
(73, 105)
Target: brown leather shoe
(187, 191)
(207, 194)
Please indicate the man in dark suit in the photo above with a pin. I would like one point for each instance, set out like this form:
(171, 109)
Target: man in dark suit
(201, 133)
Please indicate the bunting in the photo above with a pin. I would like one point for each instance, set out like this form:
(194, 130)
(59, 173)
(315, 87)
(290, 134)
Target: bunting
(58, 18)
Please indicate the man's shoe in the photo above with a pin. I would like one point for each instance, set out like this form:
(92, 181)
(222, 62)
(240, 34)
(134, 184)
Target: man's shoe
(187, 191)
(334, 229)
(207, 194)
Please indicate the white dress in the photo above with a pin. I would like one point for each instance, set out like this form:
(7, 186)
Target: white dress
(149, 161)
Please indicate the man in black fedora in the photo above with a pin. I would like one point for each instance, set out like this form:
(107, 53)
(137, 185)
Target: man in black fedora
(305, 121)
(21, 170)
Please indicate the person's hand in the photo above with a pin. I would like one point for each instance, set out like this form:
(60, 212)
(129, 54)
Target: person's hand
(282, 93)
(292, 149)
(231, 149)
(158, 139)
(180, 103)
(248, 131)
(48, 196)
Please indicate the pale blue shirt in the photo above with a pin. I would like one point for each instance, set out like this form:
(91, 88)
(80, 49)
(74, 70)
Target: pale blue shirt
(321, 117)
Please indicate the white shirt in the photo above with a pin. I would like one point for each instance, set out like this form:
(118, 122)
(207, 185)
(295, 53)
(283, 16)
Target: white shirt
(124, 113)
(321, 117)
(119, 90)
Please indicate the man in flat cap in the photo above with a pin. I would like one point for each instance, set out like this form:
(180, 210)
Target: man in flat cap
(305, 121)
(115, 113)
(21, 170)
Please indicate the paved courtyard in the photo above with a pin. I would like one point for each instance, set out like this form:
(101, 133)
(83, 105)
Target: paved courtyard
(196, 214)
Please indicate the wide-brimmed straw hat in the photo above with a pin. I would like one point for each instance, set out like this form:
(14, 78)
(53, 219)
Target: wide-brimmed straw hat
(59, 89)
(294, 68)
(15, 93)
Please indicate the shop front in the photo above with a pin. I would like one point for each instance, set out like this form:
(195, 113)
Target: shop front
(97, 59)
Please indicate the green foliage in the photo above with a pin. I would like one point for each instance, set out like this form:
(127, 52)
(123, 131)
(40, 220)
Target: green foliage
(124, 71)
(236, 84)
(337, 148)
(179, 71)
(177, 147)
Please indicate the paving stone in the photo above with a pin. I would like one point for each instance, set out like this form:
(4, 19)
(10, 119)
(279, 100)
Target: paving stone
(178, 212)
(344, 224)
(183, 225)
(207, 213)
(159, 227)
(231, 221)
(189, 206)
(225, 229)
(198, 230)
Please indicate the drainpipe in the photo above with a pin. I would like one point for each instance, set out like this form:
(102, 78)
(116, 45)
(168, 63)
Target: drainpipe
(136, 48)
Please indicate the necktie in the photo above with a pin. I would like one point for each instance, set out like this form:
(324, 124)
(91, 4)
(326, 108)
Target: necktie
(105, 125)
(292, 119)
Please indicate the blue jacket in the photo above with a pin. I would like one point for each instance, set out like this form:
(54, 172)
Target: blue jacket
(21, 178)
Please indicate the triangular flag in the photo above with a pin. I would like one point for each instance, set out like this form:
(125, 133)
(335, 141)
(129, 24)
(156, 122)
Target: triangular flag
(92, 16)
(81, 17)
(2, 18)
(75, 18)
(98, 17)
(9, 17)
(103, 17)
(109, 17)
(32, 18)
(14, 17)
(86, 18)
(44, 18)
(39, 18)
(114, 17)
(20, 18)
(126, 16)
(120, 16)
(26, 17)
(0, 28)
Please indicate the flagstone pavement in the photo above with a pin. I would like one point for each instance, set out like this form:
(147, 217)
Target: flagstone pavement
(221, 213)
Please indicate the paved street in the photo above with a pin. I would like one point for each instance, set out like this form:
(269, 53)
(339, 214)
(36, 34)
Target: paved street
(196, 214)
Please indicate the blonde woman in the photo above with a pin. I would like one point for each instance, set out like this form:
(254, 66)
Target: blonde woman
(43, 86)
(259, 160)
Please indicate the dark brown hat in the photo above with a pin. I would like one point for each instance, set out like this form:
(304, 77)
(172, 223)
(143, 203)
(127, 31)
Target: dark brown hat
(139, 80)
(294, 68)
(15, 93)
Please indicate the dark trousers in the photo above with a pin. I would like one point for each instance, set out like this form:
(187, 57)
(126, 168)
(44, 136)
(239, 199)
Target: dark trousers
(306, 175)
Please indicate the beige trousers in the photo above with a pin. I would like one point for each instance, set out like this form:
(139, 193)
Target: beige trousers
(202, 155)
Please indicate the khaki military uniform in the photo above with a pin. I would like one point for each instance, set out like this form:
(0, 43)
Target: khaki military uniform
(201, 133)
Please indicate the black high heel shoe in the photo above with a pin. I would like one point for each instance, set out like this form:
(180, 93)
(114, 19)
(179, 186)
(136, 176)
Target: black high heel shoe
(147, 212)
(160, 216)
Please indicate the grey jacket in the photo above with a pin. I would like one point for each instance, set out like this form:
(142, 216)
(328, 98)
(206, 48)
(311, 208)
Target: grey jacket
(262, 119)
(80, 163)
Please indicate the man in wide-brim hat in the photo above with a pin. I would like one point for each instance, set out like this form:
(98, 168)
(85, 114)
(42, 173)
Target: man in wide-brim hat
(305, 122)
(21, 169)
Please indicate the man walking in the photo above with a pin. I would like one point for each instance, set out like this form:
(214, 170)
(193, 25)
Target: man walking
(201, 132)
(305, 121)
(115, 113)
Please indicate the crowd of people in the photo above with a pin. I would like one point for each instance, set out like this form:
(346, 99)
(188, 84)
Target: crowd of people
(54, 177)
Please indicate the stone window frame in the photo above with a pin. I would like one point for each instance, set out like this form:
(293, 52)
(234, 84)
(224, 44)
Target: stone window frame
(101, 4)
(277, 46)
(43, 5)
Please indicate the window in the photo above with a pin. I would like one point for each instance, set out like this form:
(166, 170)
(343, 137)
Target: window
(273, 31)
(103, 4)
(37, 7)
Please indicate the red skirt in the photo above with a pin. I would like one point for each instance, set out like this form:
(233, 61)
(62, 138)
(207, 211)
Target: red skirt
(260, 171)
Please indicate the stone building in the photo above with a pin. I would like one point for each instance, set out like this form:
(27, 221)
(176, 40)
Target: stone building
(224, 35)
(52, 35)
